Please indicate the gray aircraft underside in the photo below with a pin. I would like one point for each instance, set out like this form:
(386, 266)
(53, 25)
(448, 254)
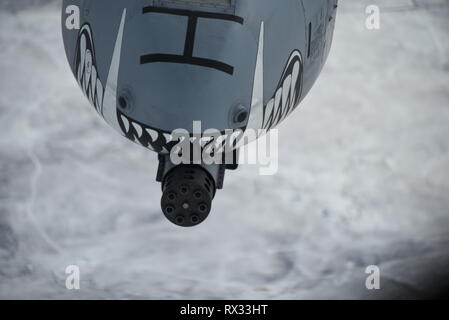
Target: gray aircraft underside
(152, 66)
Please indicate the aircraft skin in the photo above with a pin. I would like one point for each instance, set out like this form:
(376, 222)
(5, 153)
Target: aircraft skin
(150, 67)
(173, 62)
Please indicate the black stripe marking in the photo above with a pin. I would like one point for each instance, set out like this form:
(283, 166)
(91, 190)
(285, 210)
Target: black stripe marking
(198, 14)
(208, 63)
(190, 37)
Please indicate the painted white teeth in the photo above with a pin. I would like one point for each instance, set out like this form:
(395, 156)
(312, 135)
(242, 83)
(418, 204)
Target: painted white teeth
(286, 96)
(295, 75)
(126, 123)
(138, 129)
(99, 95)
(269, 110)
(278, 104)
(153, 134)
(286, 90)
(168, 137)
(86, 70)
